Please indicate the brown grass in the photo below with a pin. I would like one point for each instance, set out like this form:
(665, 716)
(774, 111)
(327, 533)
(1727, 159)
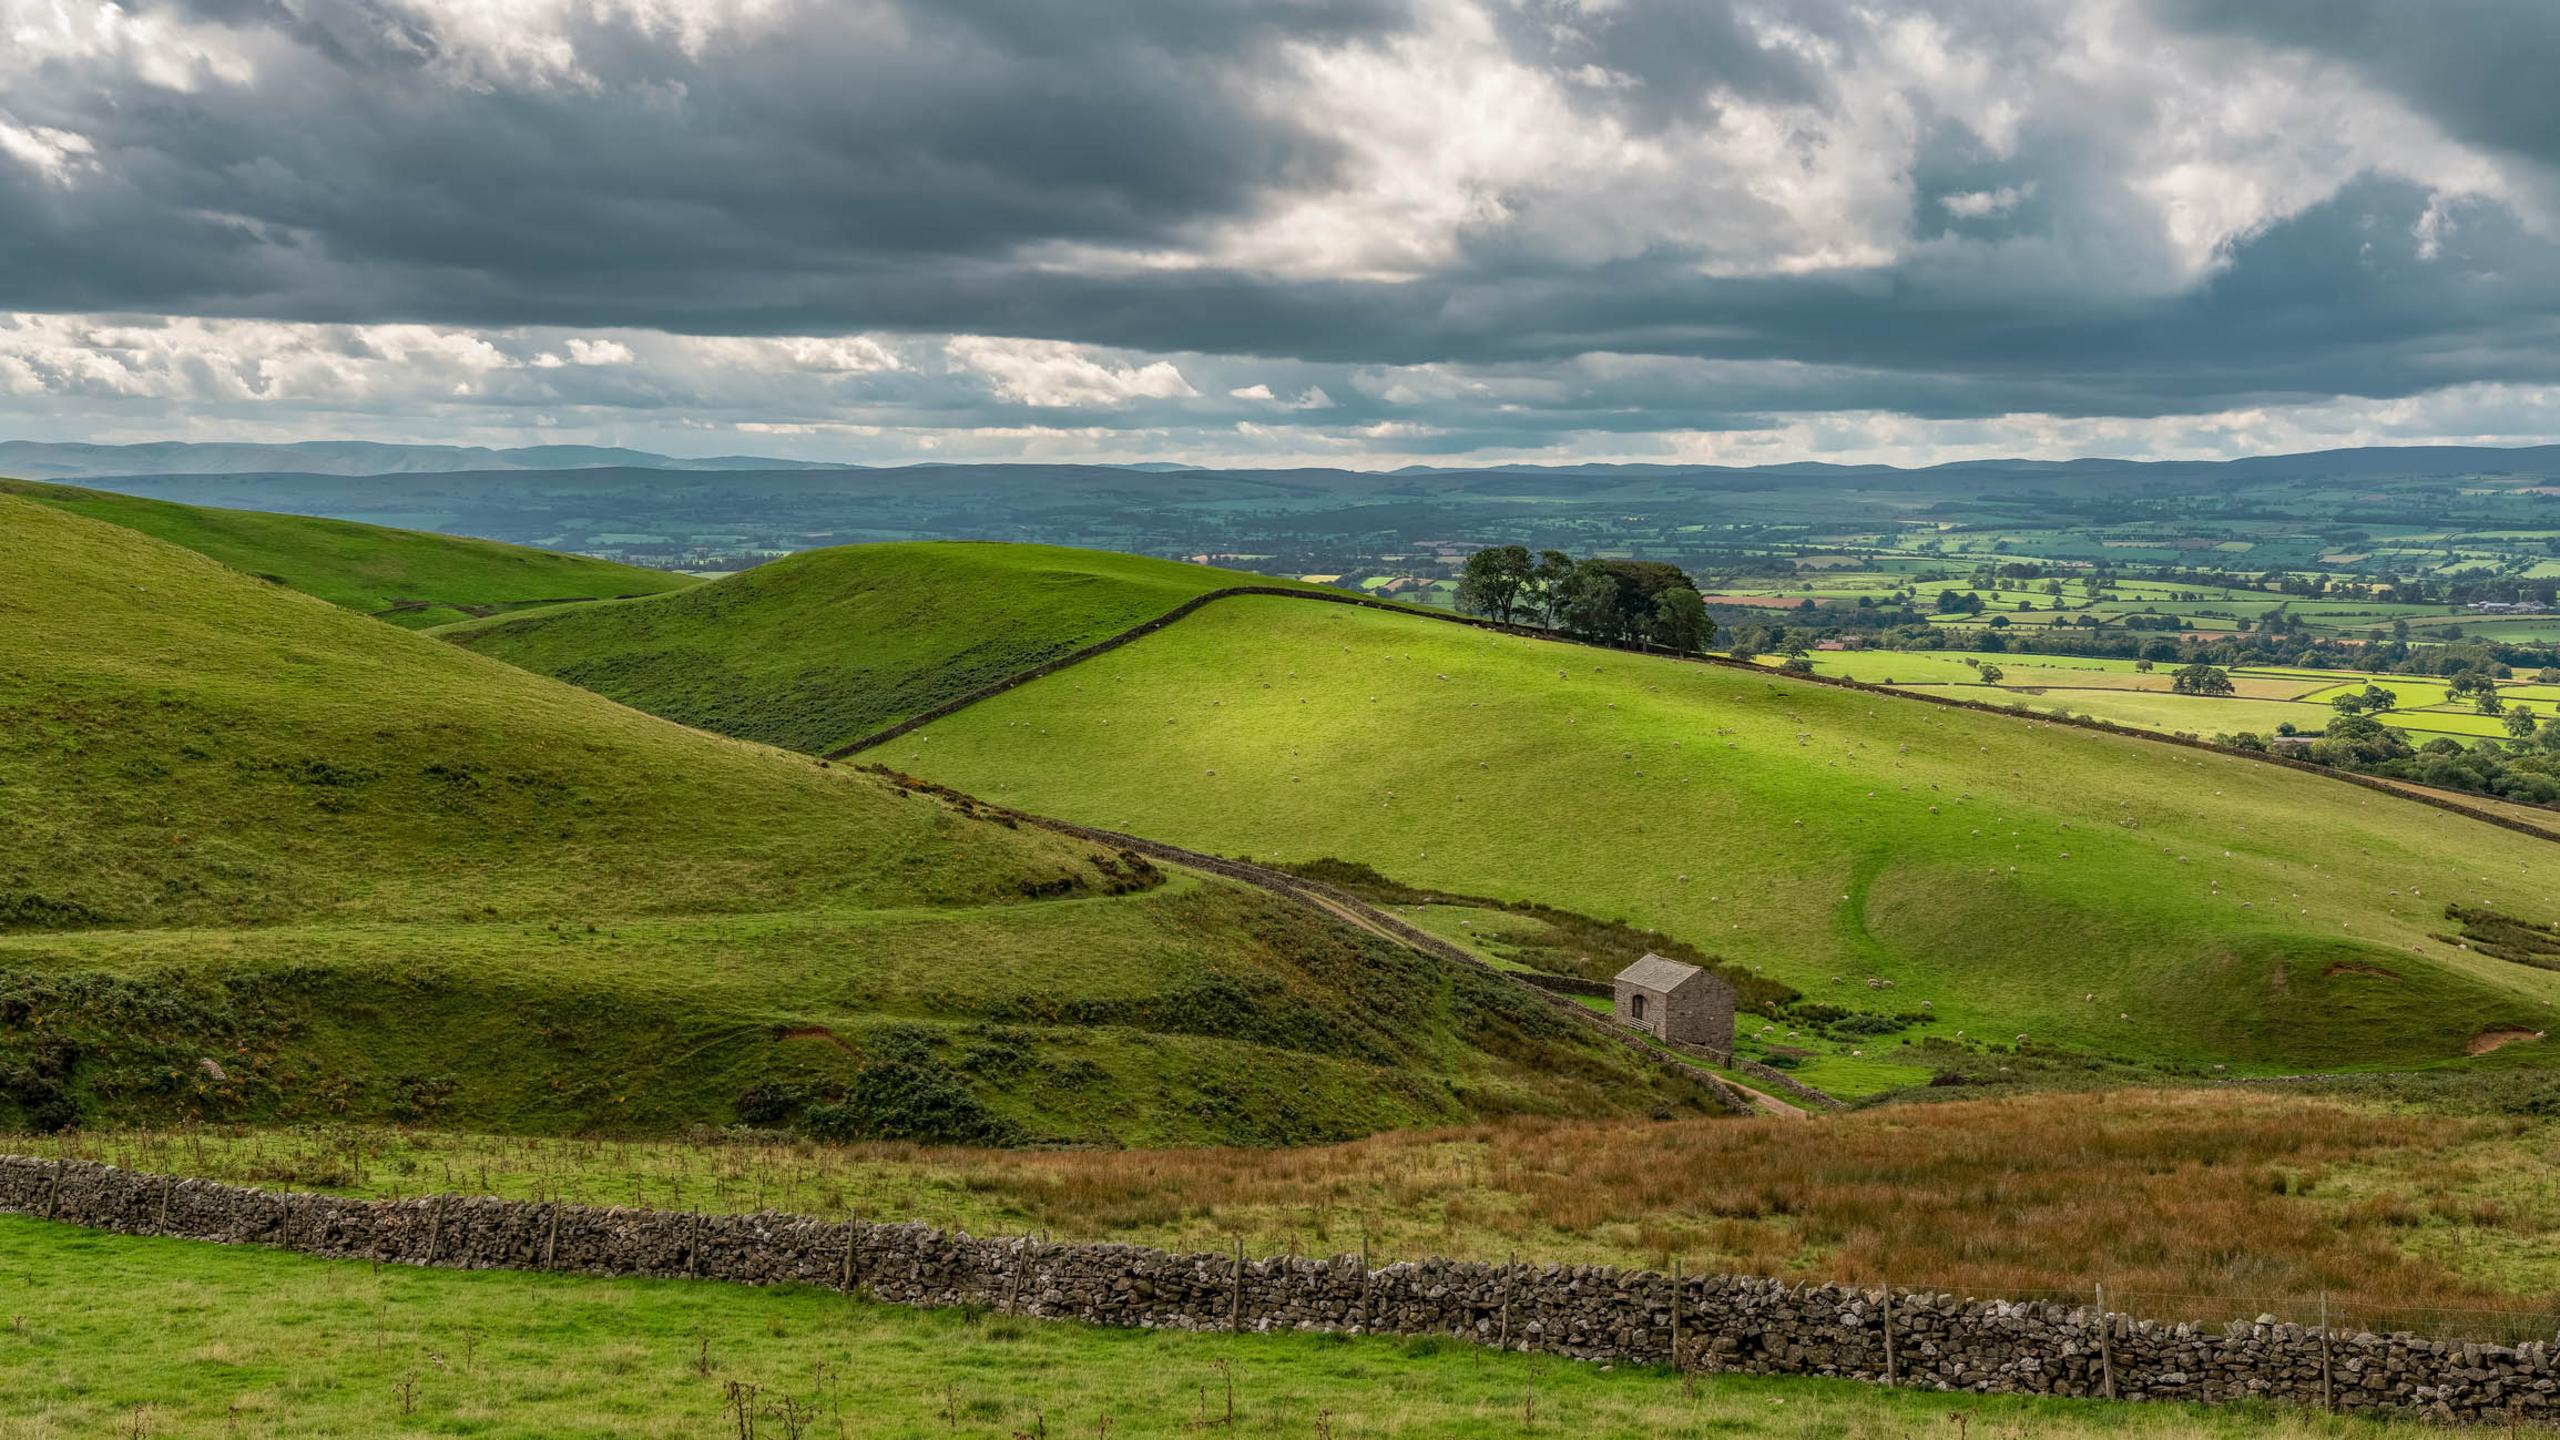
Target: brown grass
(2193, 1204)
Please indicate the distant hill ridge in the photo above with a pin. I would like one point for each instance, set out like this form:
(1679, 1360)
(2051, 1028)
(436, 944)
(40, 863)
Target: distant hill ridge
(44, 460)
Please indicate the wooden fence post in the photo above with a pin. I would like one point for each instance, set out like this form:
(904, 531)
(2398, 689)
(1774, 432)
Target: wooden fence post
(1890, 1368)
(851, 1231)
(1013, 1285)
(2328, 1397)
(1675, 1316)
(1364, 1277)
(2106, 1346)
(165, 1182)
(435, 1228)
(1235, 1300)
(551, 1238)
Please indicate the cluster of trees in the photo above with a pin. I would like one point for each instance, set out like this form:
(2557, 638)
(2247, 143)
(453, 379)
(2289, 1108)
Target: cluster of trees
(1613, 601)
(2524, 767)
(2201, 679)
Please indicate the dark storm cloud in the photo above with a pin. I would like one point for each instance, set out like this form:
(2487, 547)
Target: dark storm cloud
(2007, 227)
(2483, 68)
(820, 159)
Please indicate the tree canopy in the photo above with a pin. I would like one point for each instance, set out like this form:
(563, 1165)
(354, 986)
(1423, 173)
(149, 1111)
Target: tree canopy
(1610, 599)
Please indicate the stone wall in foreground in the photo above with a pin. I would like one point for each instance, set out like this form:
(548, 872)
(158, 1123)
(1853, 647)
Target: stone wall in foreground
(1709, 1322)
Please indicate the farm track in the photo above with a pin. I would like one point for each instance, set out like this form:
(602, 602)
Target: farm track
(1344, 906)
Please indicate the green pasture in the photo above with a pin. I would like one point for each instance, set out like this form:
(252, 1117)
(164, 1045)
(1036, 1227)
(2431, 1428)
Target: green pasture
(2084, 890)
(409, 577)
(2114, 690)
(113, 1335)
(274, 861)
(817, 649)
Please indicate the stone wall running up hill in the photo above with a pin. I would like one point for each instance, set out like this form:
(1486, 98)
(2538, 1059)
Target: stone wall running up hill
(1708, 1322)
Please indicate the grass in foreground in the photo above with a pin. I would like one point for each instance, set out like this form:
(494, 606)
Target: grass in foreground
(2084, 891)
(817, 649)
(2186, 1204)
(109, 1335)
(409, 577)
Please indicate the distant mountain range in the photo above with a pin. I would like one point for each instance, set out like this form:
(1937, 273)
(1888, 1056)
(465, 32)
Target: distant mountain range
(39, 460)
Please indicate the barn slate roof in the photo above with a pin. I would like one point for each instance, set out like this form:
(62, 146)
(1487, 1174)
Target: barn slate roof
(1655, 973)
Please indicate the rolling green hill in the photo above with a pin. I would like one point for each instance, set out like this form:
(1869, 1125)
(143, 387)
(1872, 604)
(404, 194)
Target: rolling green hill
(817, 649)
(1982, 877)
(408, 577)
(270, 860)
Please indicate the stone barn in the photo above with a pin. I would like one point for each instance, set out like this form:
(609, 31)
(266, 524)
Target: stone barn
(1679, 1003)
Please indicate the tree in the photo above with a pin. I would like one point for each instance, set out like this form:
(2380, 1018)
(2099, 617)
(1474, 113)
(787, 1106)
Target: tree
(1496, 581)
(1680, 622)
(2486, 701)
(1549, 577)
(1615, 600)
(1590, 606)
(1991, 674)
(2377, 699)
(2202, 679)
(2520, 722)
(2142, 665)
(1797, 664)
(2351, 703)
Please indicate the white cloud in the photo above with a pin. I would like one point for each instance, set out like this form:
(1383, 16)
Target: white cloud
(583, 351)
(1054, 374)
(1252, 392)
(57, 155)
(1975, 204)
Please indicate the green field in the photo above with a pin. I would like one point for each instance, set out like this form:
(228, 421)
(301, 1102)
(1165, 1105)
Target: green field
(2087, 891)
(2116, 691)
(273, 860)
(817, 649)
(111, 1335)
(409, 577)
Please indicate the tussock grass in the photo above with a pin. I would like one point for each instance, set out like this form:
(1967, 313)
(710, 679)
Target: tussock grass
(110, 1335)
(2204, 1204)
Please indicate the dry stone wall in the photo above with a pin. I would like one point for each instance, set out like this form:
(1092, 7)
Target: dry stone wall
(1707, 1322)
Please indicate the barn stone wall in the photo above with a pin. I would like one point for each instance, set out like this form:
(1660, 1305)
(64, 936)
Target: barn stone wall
(1708, 1322)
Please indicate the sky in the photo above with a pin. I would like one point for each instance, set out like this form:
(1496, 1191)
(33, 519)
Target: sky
(1341, 232)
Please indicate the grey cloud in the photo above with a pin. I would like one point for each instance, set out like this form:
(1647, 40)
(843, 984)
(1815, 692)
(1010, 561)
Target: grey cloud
(957, 166)
(2482, 68)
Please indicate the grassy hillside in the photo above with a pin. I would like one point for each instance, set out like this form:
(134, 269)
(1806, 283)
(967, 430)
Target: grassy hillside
(270, 859)
(409, 577)
(820, 648)
(2091, 893)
